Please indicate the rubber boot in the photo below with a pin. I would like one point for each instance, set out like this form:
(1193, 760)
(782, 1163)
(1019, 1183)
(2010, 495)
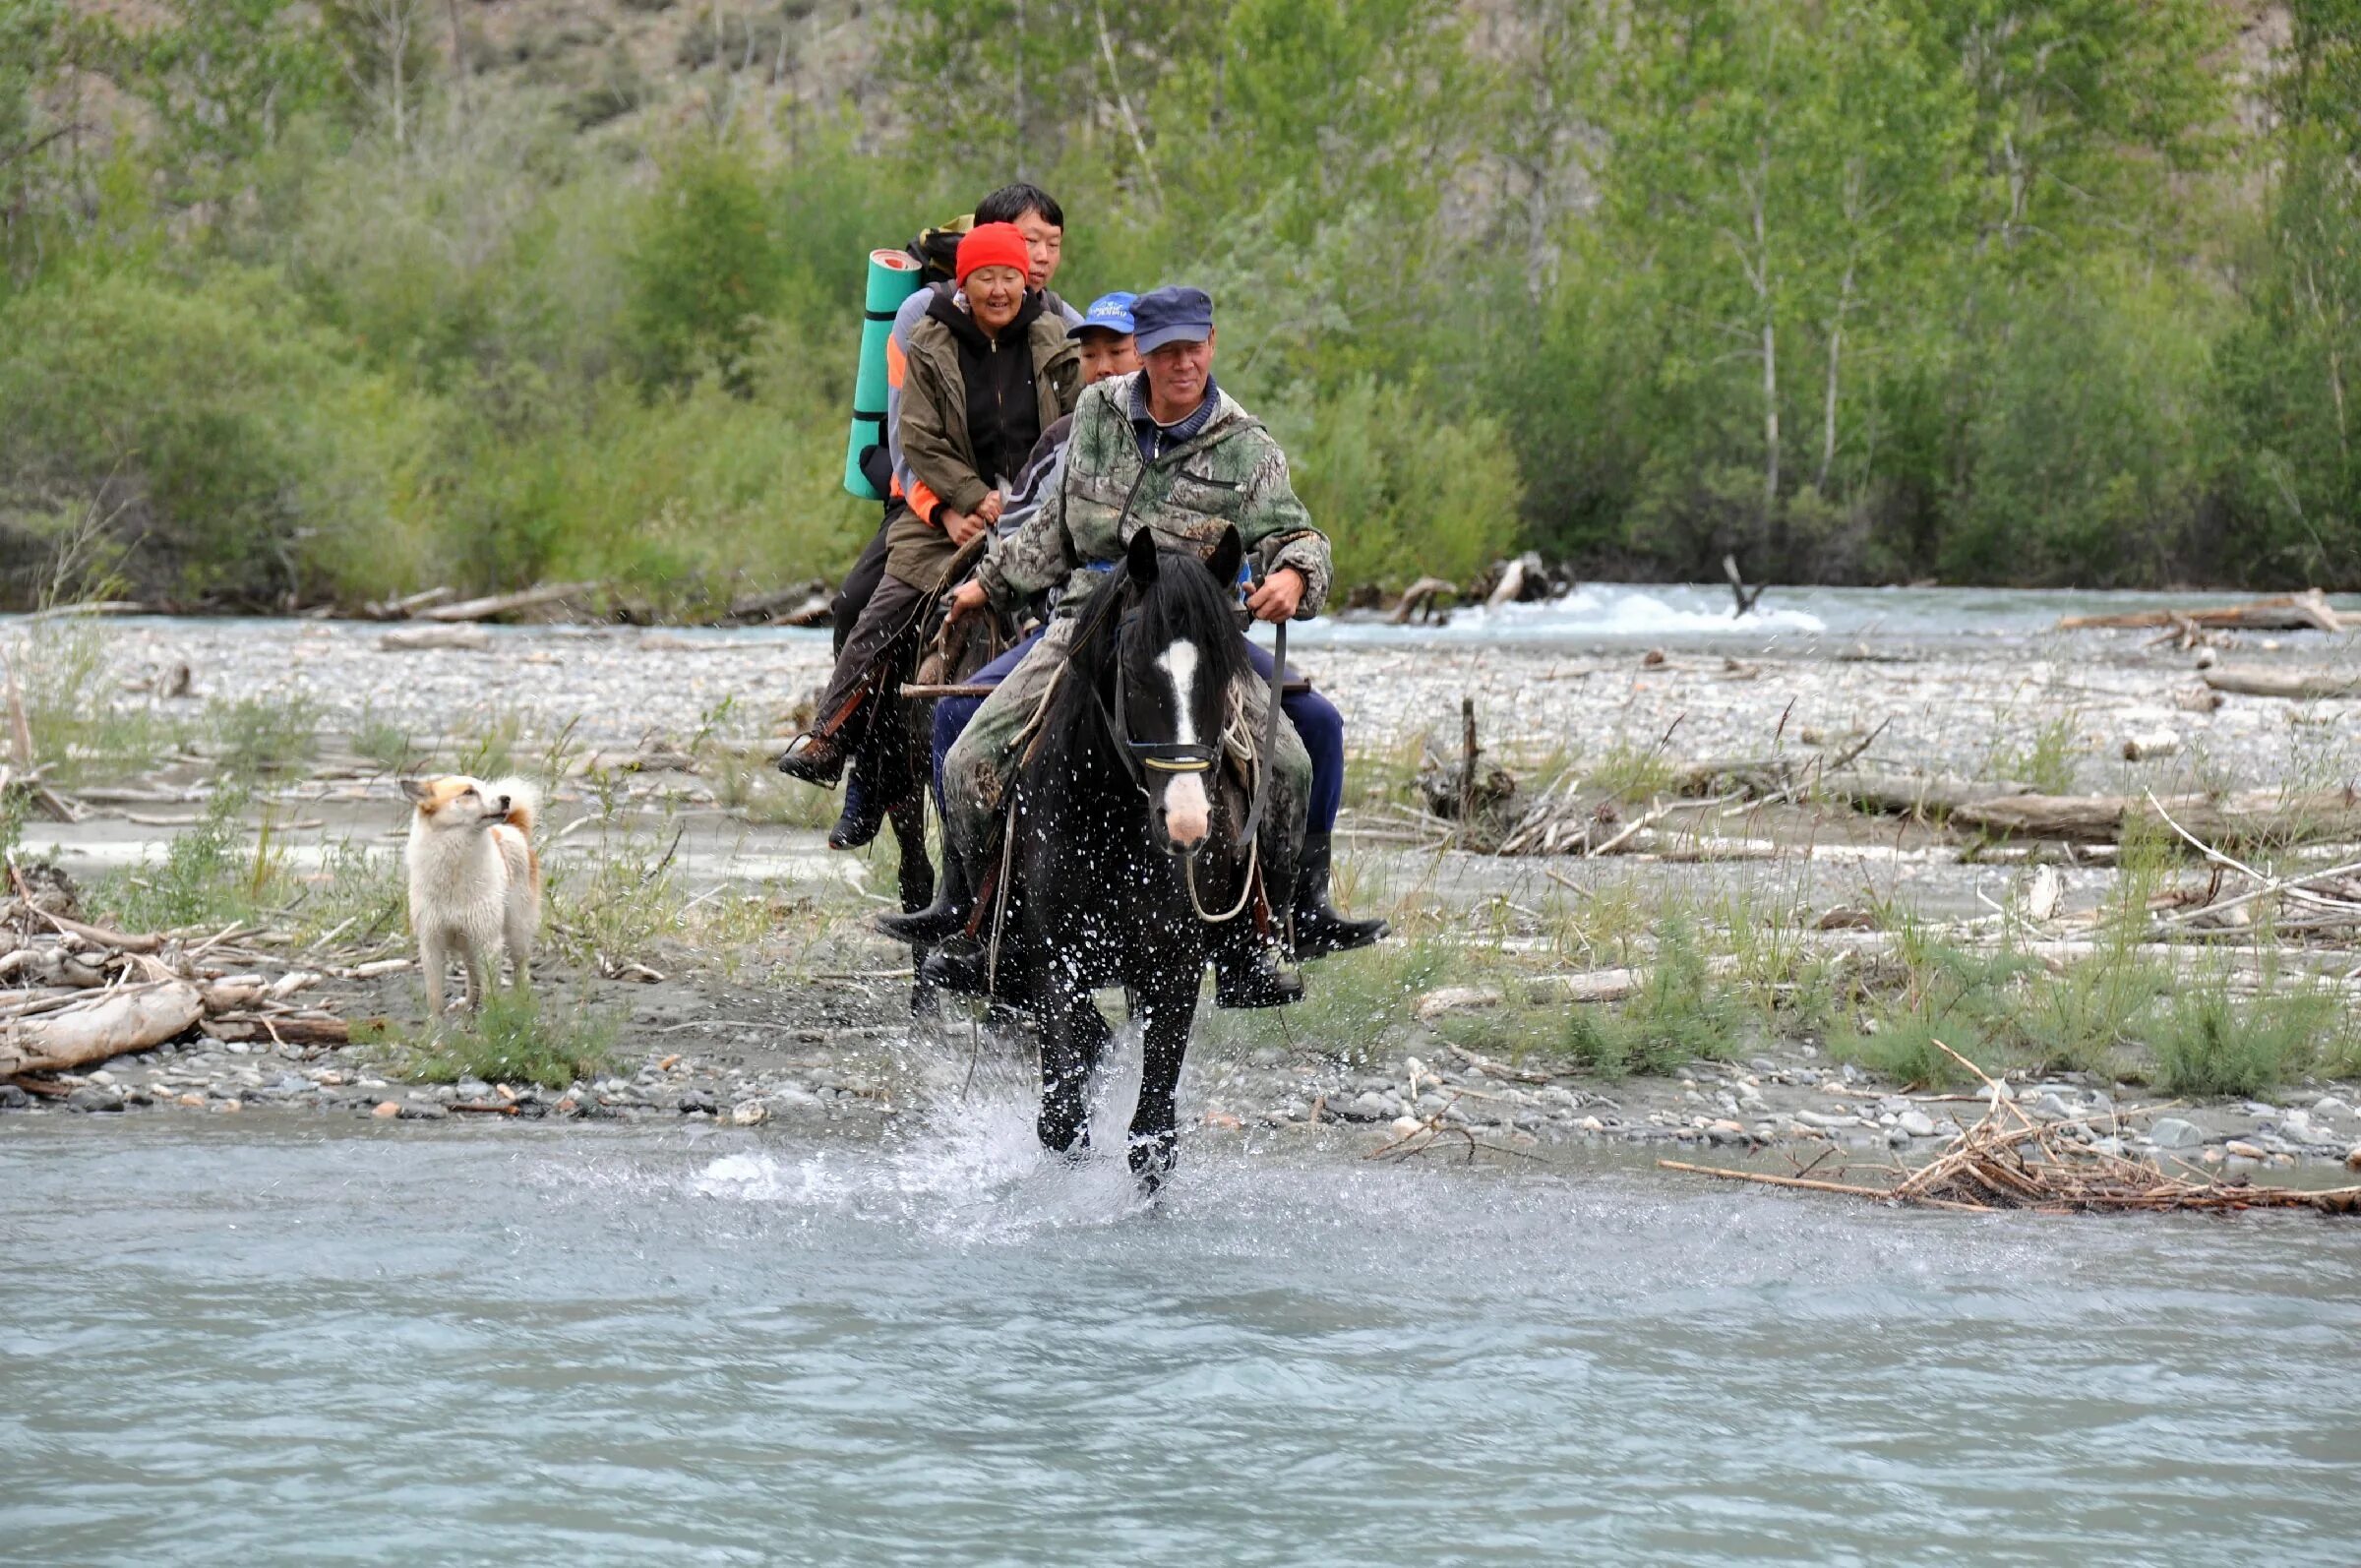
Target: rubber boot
(954, 902)
(859, 823)
(958, 966)
(1244, 976)
(1319, 930)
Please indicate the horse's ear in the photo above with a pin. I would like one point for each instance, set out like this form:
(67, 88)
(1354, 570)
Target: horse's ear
(1228, 555)
(1140, 556)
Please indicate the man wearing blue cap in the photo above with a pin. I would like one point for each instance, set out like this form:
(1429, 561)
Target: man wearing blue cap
(1166, 449)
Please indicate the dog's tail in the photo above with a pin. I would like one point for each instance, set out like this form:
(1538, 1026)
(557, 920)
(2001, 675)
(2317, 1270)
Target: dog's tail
(524, 804)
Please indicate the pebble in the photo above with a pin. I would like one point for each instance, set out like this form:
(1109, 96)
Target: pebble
(753, 1113)
(385, 1109)
(2172, 1132)
(1917, 1123)
(2244, 1150)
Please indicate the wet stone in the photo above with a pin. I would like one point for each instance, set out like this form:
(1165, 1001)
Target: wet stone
(695, 1101)
(13, 1098)
(94, 1097)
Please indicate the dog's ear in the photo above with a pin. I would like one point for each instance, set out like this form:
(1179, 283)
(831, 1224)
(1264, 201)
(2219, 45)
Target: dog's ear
(416, 790)
(1140, 556)
(1229, 554)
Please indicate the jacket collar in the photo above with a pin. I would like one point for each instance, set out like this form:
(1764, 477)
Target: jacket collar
(1228, 416)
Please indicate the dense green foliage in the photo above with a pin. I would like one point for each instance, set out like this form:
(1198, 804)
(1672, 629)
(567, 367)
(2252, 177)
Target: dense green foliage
(2005, 290)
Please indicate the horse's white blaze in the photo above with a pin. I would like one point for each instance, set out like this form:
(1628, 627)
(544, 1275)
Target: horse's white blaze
(1188, 813)
(1180, 661)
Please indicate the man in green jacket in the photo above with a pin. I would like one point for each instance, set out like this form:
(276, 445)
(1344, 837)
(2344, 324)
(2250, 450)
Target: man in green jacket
(1166, 449)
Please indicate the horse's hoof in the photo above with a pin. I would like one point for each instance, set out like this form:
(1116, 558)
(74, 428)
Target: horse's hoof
(1152, 1161)
(1069, 1140)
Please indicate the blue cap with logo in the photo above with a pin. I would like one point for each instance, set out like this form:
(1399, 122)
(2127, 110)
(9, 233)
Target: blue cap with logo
(1109, 313)
(1173, 313)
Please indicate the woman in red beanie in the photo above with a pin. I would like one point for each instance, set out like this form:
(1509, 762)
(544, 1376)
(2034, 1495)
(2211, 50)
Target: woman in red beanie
(987, 371)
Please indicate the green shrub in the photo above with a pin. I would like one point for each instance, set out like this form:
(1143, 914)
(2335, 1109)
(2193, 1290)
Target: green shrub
(233, 444)
(1403, 490)
(2210, 1041)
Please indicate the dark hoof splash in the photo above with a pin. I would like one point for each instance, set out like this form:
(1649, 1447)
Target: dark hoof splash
(1152, 1160)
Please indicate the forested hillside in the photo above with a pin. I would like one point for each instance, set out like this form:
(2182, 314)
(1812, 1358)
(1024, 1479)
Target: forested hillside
(338, 299)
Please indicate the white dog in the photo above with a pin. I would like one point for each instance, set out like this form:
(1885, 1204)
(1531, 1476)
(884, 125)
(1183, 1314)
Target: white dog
(475, 881)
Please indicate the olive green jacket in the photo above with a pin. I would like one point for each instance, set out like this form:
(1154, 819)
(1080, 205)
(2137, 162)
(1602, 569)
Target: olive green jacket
(933, 425)
(1231, 473)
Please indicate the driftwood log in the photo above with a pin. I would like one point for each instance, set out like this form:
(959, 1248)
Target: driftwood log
(131, 1018)
(2296, 686)
(414, 638)
(1922, 794)
(2242, 818)
(802, 605)
(2308, 611)
(1419, 600)
(493, 606)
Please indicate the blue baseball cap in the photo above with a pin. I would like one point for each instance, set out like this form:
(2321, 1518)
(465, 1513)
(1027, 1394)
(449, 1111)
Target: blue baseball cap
(1171, 315)
(1109, 313)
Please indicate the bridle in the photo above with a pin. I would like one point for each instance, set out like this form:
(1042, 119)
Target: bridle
(1141, 759)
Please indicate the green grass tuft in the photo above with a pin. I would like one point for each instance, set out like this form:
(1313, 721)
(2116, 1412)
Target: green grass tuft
(511, 1041)
(2210, 1041)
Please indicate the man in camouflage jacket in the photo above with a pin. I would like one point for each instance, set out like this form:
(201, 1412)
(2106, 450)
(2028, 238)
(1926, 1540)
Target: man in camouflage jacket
(1124, 469)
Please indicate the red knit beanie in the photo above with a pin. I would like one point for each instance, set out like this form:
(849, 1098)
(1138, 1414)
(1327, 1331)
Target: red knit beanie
(992, 245)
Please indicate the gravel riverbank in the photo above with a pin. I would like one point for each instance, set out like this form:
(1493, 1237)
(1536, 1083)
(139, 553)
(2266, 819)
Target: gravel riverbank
(778, 1047)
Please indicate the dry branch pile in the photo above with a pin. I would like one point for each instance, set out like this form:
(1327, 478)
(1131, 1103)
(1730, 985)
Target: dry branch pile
(2012, 1160)
(78, 992)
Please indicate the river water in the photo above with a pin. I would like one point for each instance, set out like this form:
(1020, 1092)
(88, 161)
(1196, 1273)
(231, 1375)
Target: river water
(256, 1345)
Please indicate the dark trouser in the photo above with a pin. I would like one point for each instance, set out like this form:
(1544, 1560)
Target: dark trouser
(1322, 730)
(844, 707)
(1315, 718)
(859, 583)
(951, 713)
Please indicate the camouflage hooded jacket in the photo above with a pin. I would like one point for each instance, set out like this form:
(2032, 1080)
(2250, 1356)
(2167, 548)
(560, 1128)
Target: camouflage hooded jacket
(1105, 492)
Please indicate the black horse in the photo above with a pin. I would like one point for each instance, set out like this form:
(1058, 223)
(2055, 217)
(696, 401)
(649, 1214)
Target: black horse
(1126, 862)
